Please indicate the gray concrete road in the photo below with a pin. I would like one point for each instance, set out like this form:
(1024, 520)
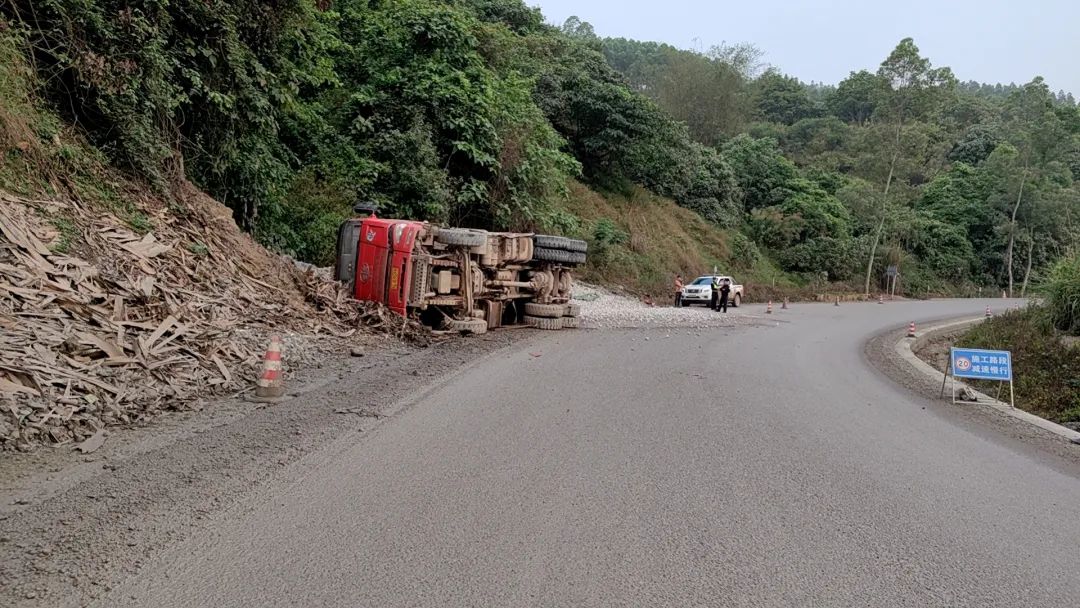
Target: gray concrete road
(751, 466)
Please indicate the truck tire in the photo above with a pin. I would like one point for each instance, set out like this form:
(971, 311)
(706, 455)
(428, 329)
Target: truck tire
(736, 300)
(548, 241)
(572, 310)
(577, 245)
(544, 254)
(544, 322)
(468, 326)
(576, 257)
(571, 322)
(548, 311)
(462, 237)
(560, 242)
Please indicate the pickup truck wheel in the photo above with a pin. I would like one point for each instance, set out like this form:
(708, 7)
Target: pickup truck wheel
(462, 237)
(572, 310)
(549, 311)
(468, 326)
(544, 322)
(735, 302)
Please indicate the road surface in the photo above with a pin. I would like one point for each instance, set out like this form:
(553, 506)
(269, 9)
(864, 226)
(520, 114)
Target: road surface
(752, 466)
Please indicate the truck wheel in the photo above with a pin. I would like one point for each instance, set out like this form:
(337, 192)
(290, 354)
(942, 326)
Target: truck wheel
(571, 322)
(461, 236)
(572, 310)
(576, 245)
(544, 254)
(544, 322)
(548, 241)
(738, 300)
(468, 326)
(548, 311)
(576, 257)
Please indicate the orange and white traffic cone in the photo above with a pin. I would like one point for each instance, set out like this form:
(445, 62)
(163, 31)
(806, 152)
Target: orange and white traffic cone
(911, 330)
(271, 385)
(784, 305)
(768, 309)
(988, 313)
(837, 301)
(1003, 296)
(880, 299)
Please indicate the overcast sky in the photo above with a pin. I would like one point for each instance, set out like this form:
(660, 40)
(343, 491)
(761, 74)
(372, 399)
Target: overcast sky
(823, 40)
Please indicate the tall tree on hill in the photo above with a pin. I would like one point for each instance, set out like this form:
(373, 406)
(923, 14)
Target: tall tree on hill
(1038, 135)
(912, 88)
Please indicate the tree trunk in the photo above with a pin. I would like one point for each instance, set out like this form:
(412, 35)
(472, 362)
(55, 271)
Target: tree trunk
(1012, 232)
(884, 210)
(1027, 271)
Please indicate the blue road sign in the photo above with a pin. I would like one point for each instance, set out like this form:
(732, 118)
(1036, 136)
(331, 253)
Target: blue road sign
(982, 364)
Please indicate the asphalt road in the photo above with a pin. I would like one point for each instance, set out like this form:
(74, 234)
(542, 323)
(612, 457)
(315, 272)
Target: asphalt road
(752, 466)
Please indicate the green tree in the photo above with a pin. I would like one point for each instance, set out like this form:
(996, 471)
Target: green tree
(856, 97)
(1039, 138)
(782, 99)
(912, 88)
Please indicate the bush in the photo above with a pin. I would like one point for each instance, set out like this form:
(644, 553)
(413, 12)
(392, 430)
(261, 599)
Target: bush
(606, 234)
(825, 254)
(1062, 293)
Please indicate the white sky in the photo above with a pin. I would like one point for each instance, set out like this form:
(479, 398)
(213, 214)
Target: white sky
(985, 40)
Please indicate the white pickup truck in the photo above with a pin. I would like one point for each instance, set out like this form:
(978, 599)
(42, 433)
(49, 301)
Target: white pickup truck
(699, 291)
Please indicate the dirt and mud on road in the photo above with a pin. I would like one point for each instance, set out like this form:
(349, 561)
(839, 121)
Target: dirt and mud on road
(72, 525)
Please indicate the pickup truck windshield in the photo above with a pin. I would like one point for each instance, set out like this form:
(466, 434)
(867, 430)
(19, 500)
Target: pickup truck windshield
(702, 281)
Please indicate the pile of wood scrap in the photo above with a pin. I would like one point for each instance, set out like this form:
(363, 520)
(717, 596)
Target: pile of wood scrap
(108, 326)
(333, 298)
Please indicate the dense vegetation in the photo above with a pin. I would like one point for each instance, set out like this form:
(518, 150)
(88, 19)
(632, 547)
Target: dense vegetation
(476, 112)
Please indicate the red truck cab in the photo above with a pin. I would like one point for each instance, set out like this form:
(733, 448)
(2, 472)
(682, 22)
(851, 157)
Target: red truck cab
(384, 261)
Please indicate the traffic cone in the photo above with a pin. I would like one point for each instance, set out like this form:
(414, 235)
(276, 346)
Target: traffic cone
(880, 299)
(911, 330)
(988, 313)
(837, 301)
(1003, 296)
(271, 386)
(768, 309)
(784, 305)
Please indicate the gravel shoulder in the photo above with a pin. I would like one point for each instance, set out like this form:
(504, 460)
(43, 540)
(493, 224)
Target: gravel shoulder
(72, 526)
(603, 309)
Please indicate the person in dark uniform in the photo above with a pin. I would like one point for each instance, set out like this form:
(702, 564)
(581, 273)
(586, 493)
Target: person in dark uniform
(725, 291)
(715, 299)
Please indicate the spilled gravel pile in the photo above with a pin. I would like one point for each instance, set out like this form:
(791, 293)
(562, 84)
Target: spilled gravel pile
(603, 309)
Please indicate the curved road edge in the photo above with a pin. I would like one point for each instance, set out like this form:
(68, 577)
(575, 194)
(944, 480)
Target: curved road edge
(906, 347)
(923, 382)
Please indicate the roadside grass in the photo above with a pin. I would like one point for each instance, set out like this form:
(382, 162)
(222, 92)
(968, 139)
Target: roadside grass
(639, 241)
(1046, 370)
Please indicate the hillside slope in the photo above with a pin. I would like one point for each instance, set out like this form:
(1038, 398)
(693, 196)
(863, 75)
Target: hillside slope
(639, 241)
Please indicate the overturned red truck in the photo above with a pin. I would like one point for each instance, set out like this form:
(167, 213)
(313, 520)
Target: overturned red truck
(458, 278)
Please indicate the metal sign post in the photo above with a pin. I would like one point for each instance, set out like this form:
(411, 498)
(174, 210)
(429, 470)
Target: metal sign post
(978, 364)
